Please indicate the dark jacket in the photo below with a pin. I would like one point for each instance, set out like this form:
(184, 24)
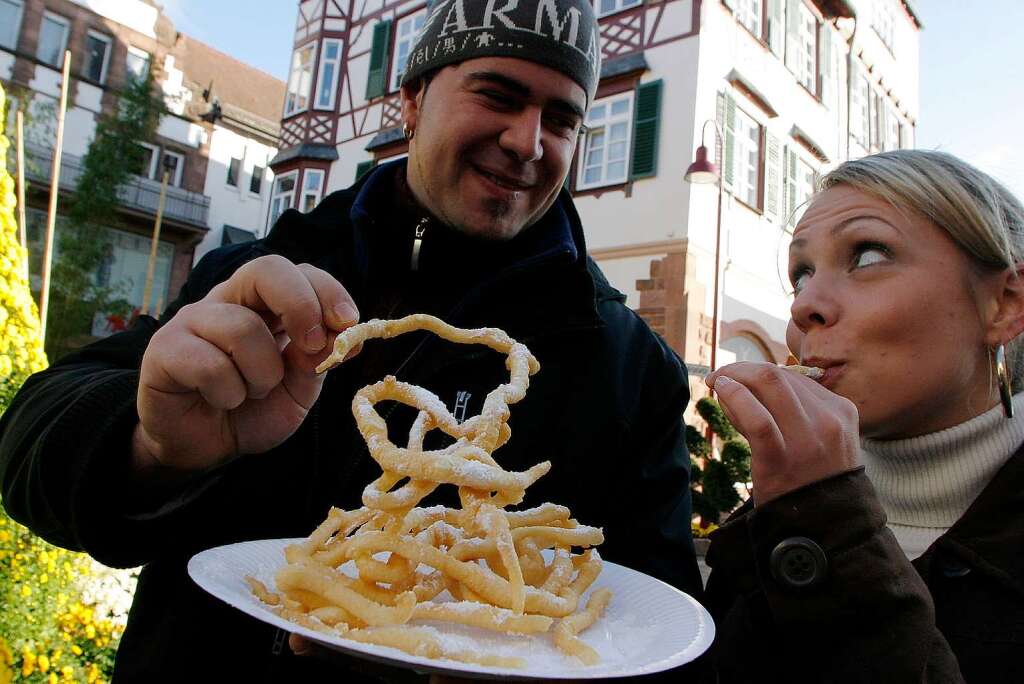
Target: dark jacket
(605, 408)
(955, 614)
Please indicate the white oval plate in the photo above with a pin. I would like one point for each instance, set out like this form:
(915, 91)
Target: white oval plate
(649, 626)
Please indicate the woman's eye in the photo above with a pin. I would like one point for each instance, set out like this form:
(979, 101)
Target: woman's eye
(871, 254)
(799, 278)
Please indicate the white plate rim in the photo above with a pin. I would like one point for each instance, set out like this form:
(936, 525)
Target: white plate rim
(391, 656)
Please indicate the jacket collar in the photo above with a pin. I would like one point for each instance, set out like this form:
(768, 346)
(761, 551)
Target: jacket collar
(990, 535)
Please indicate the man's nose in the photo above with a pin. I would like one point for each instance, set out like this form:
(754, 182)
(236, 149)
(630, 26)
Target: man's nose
(521, 137)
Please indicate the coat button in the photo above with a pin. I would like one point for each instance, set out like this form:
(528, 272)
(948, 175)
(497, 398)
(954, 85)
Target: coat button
(798, 563)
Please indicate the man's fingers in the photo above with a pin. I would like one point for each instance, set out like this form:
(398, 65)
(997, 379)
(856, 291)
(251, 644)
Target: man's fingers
(193, 364)
(300, 646)
(339, 311)
(274, 284)
(243, 336)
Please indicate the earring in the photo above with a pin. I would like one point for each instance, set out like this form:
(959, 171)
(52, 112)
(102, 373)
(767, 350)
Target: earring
(1003, 378)
(408, 131)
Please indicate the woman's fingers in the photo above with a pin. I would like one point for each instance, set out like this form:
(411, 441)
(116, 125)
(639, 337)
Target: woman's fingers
(748, 415)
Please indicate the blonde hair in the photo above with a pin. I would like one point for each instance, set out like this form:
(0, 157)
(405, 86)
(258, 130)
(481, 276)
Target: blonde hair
(977, 211)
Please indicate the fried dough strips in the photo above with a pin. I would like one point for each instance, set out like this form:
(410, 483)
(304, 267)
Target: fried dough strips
(488, 559)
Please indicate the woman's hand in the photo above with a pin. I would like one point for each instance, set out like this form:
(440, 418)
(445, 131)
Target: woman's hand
(799, 432)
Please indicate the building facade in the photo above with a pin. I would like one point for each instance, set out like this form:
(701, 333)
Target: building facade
(779, 91)
(216, 139)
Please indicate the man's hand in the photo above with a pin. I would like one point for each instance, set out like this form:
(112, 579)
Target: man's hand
(234, 372)
(799, 432)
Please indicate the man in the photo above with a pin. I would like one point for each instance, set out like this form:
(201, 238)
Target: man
(211, 427)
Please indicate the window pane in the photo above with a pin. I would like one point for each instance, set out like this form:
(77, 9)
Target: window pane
(617, 151)
(619, 131)
(96, 57)
(137, 64)
(326, 86)
(620, 107)
(617, 171)
(10, 22)
(234, 166)
(51, 41)
(256, 182)
(598, 113)
(592, 175)
(284, 184)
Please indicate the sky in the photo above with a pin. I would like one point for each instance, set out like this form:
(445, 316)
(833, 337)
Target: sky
(972, 68)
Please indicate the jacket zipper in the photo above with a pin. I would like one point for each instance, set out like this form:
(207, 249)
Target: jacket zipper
(417, 243)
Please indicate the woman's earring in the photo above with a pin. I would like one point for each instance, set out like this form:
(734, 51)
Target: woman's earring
(1003, 378)
(408, 131)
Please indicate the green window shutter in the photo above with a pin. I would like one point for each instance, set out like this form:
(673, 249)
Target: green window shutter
(773, 176)
(727, 123)
(646, 124)
(377, 82)
(776, 27)
(362, 168)
(793, 35)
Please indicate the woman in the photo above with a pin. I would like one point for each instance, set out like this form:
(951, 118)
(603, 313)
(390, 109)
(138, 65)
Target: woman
(885, 539)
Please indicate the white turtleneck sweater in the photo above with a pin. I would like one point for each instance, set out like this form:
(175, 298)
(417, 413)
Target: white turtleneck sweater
(926, 483)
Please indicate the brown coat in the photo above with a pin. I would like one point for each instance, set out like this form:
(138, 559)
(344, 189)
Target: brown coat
(867, 614)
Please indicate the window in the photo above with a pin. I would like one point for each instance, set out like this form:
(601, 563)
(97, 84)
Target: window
(876, 126)
(803, 188)
(860, 95)
(606, 144)
(175, 163)
(892, 129)
(806, 60)
(147, 163)
(284, 194)
(330, 62)
(882, 21)
(256, 182)
(53, 39)
(126, 266)
(746, 348)
(605, 7)
(97, 56)
(10, 22)
(312, 188)
(750, 14)
(408, 29)
(234, 171)
(746, 159)
(300, 80)
(137, 64)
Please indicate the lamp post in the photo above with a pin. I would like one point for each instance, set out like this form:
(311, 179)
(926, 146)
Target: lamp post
(168, 164)
(704, 171)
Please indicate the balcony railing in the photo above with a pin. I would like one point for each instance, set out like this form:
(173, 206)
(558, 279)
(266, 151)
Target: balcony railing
(141, 194)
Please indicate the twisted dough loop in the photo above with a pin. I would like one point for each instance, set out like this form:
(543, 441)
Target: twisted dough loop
(488, 558)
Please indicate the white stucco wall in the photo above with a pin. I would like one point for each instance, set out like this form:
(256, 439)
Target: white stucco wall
(134, 14)
(237, 207)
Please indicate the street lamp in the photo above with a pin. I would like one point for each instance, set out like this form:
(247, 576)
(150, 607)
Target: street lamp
(704, 171)
(169, 164)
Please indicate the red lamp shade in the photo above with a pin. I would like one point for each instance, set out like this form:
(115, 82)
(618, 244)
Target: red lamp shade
(701, 170)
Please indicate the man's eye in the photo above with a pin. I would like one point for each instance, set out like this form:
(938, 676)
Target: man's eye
(496, 97)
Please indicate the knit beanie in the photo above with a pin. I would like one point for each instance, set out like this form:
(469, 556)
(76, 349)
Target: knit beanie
(560, 34)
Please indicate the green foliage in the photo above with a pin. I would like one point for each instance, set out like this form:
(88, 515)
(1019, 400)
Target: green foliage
(714, 492)
(114, 155)
(710, 411)
(696, 444)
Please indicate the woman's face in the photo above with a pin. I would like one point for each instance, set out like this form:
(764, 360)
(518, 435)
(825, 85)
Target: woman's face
(888, 304)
